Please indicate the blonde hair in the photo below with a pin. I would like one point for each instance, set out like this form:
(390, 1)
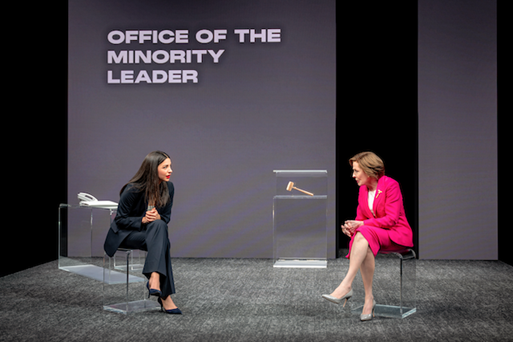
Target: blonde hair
(370, 163)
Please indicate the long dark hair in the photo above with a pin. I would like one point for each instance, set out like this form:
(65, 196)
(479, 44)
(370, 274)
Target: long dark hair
(147, 180)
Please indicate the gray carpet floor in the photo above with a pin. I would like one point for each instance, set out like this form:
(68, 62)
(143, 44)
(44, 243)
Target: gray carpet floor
(249, 300)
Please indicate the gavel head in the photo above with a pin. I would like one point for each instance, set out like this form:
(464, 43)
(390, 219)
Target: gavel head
(290, 186)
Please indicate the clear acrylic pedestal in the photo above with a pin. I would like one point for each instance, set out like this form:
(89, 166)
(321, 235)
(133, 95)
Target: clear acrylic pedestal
(299, 219)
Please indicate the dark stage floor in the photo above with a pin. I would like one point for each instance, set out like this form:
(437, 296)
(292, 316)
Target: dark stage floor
(249, 300)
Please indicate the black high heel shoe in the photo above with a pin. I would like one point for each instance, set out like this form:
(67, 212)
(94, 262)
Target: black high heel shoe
(172, 311)
(153, 292)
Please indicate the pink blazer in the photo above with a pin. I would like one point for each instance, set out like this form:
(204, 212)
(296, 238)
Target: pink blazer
(389, 210)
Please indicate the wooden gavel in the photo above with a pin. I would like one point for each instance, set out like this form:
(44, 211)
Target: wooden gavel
(291, 186)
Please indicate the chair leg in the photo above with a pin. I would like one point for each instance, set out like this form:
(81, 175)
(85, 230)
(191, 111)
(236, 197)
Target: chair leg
(127, 275)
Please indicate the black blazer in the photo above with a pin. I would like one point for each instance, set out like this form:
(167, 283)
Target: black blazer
(131, 210)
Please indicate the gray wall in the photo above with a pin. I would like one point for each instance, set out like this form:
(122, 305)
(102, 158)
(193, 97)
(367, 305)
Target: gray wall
(264, 106)
(457, 103)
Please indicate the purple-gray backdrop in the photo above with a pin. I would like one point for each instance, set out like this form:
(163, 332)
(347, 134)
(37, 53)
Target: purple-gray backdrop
(257, 106)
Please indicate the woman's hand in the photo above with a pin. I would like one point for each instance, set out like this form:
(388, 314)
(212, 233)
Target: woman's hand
(151, 216)
(350, 226)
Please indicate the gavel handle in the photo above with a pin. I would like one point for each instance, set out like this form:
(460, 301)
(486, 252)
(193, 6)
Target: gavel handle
(303, 191)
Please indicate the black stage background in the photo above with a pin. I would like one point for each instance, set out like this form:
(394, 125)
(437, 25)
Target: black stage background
(376, 76)
(377, 99)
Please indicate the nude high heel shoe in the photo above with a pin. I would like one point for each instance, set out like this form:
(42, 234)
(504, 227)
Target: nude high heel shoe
(369, 317)
(339, 300)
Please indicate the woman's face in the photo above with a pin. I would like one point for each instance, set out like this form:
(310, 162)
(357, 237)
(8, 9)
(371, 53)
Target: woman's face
(164, 170)
(360, 176)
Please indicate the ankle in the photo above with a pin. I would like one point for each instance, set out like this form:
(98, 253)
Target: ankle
(168, 303)
(369, 300)
(154, 280)
(341, 291)
(344, 287)
(369, 297)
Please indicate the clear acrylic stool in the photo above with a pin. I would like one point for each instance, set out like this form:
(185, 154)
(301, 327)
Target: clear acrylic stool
(394, 285)
(124, 285)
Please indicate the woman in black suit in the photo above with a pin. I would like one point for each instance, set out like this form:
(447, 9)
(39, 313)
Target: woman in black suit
(144, 210)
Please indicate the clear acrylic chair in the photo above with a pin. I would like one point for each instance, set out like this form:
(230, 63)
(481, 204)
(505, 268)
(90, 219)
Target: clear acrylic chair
(124, 285)
(394, 285)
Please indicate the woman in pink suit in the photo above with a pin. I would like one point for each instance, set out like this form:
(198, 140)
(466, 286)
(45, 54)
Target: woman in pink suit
(380, 225)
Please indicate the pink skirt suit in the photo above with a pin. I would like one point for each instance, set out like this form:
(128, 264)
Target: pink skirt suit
(386, 230)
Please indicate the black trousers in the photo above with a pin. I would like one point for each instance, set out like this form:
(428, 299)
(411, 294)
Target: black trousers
(154, 239)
